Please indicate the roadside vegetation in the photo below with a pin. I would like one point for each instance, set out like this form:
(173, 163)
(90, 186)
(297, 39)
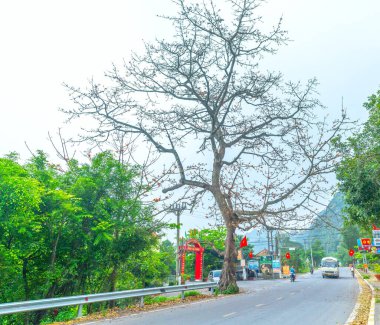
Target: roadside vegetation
(74, 231)
(129, 306)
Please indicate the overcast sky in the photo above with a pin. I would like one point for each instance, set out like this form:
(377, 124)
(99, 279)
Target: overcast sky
(46, 43)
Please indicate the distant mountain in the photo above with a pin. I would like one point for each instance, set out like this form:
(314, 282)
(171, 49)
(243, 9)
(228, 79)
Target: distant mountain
(258, 238)
(324, 228)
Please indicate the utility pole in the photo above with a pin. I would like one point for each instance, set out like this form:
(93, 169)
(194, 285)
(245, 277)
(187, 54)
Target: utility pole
(311, 254)
(276, 250)
(270, 240)
(177, 209)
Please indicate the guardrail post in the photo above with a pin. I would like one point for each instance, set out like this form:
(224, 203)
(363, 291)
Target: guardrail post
(212, 290)
(183, 294)
(80, 308)
(142, 301)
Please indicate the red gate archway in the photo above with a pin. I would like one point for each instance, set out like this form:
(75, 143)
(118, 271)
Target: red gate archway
(193, 245)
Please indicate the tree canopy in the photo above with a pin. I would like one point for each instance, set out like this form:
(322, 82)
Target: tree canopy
(358, 174)
(251, 140)
(83, 230)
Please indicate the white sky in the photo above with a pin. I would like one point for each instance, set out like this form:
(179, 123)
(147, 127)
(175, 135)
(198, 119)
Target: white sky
(44, 43)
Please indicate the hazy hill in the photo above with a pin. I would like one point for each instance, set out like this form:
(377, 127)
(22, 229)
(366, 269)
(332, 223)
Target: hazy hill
(324, 228)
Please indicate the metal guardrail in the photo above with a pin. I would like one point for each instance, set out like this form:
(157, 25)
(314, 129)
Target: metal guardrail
(31, 305)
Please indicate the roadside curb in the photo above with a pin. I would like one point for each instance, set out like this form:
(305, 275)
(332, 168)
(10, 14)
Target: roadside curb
(371, 316)
(354, 312)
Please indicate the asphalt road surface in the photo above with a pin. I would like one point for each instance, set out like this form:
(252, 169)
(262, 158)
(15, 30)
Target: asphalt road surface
(309, 300)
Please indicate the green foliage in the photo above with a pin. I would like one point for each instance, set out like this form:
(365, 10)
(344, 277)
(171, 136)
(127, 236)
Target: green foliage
(192, 293)
(213, 241)
(349, 235)
(376, 268)
(84, 230)
(297, 257)
(231, 289)
(149, 300)
(168, 256)
(318, 252)
(366, 276)
(359, 171)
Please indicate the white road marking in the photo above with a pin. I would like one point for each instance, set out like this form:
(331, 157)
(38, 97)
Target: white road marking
(279, 298)
(259, 305)
(230, 314)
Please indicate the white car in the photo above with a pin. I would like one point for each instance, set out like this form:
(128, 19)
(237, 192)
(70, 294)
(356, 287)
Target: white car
(215, 275)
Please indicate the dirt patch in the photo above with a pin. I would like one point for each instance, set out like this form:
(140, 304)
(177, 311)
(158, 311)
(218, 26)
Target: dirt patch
(364, 301)
(117, 312)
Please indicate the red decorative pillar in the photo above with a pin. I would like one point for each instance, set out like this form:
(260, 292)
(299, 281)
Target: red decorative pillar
(183, 262)
(199, 265)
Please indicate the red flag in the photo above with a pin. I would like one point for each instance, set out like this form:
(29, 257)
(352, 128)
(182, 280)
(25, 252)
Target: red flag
(374, 227)
(250, 254)
(243, 242)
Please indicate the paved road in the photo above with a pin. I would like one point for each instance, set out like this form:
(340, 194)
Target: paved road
(310, 300)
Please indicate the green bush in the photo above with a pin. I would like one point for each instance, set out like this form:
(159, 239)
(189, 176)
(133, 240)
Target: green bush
(65, 314)
(158, 299)
(192, 293)
(366, 276)
(376, 268)
(231, 289)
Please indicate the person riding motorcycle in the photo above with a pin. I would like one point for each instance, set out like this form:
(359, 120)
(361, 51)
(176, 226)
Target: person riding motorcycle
(292, 274)
(311, 269)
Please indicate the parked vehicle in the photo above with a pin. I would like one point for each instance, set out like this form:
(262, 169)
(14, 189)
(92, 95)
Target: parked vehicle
(214, 275)
(330, 267)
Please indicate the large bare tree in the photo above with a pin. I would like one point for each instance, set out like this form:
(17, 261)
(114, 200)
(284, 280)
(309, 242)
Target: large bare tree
(256, 143)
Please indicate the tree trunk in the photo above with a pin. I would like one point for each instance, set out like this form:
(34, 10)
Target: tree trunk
(26, 287)
(25, 278)
(113, 279)
(228, 279)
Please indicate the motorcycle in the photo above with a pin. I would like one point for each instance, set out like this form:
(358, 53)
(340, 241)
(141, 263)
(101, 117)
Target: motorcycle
(311, 271)
(292, 277)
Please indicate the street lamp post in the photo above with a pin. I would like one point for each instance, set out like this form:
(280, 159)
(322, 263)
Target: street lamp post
(177, 209)
(311, 254)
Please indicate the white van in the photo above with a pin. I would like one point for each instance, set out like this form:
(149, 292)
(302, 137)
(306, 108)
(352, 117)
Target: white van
(330, 267)
(215, 275)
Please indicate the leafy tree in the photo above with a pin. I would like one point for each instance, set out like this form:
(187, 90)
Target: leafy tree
(297, 256)
(213, 241)
(318, 252)
(20, 229)
(118, 225)
(251, 141)
(358, 174)
(168, 255)
(348, 240)
(75, 231)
